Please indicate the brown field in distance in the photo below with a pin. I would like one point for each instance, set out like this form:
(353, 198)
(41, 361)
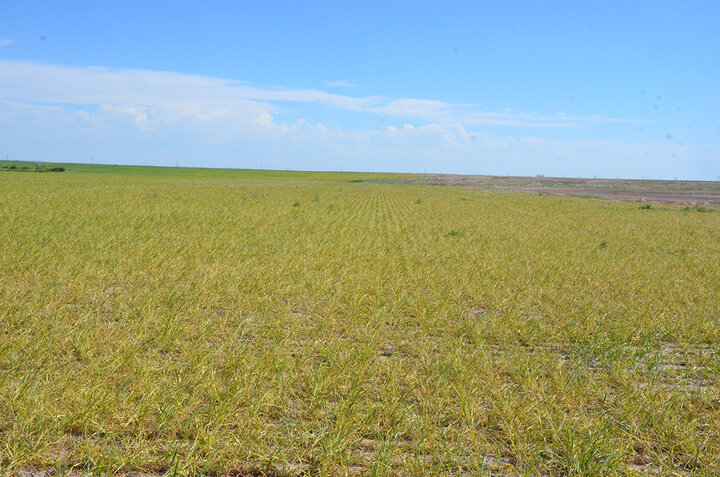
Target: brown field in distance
(703, 193)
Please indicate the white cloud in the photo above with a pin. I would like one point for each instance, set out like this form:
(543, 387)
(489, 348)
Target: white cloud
(11, 108)
(417, 108)
(175, 97)
(198, 120)
(137, 115)
(341, 84)
(5, 41)
(232, 142)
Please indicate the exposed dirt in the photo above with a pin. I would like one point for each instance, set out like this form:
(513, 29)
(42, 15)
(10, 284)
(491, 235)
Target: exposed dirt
(658, 197)
(701, 193)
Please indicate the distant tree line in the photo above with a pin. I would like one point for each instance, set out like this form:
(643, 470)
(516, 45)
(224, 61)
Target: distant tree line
(37, 168)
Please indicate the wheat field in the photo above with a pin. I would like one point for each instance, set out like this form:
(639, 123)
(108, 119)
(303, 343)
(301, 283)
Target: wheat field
(303, 324)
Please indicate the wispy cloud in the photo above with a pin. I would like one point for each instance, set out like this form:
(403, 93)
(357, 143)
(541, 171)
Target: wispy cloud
(341, 84)
(5, 41)
(468, 115)
(162, 96)
(134, 135)
(68, 113)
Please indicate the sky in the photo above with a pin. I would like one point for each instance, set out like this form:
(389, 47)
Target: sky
(627, 89)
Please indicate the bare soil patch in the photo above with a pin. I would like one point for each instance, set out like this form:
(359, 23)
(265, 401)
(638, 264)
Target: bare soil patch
(657, 191)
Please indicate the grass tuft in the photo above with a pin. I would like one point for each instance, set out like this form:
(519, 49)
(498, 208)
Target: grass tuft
(187, 325)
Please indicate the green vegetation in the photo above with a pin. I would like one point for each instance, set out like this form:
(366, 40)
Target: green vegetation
(198, 172)
(288, 323)
(24, 167)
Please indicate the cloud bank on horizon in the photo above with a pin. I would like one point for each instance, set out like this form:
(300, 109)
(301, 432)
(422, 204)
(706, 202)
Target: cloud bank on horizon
(52, 112)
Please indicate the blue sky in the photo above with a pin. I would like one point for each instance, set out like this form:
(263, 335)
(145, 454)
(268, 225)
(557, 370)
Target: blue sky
(606, 89)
